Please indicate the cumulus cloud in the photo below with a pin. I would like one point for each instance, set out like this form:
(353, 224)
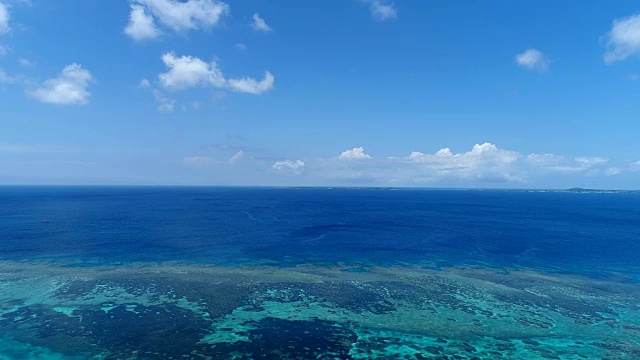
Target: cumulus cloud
(259, 24)
(623, 40)
(290, 167)
(533, 59)
(141, 25)
(148, 15)
(69, 88)
(354, 154)
(235, 158)
(382, 9)
(483, 161)
(485, 164)
(252, 86)
(188, 71)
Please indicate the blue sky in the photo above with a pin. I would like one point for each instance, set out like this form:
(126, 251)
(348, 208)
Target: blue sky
(361, 93)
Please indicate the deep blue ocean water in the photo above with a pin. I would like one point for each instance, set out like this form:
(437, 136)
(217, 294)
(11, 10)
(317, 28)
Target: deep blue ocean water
(583, 232)
(388, 273)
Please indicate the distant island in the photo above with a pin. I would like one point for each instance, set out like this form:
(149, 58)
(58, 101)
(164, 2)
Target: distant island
(583, 190)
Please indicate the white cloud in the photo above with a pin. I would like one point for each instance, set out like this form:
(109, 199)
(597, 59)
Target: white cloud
(612, 171)
(559, 163)
(241, 46)
(252, 86)
(165, 104)
(533, 59)
(4, 18)
(259, 24)
(69, 88)
(588, 162)
(25, 149)
(484, 164)
(173, 14)
(25, 62)
(145, 84)
(141, 25)
(7, 79)
(188, 71)
(235, 158)
(382, 9)
(289, 167)
(355, 154)
(484, 161)
(198, 161)
(623, 40)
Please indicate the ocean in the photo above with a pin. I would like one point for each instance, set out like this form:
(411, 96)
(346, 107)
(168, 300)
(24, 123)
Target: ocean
(323, 273)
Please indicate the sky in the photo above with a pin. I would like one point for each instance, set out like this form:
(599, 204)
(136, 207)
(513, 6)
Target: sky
(499, 94)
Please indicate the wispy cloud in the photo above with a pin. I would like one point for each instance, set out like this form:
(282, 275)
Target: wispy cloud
(235, 158)
(31, 149)
(259, 24)
(68, 88)
(562, 164)
(148, 16)
(25, 62)
(4, 26)
(224, 147)
(533, 59)
(382, 10)
(8, 79)
(165, 103)
(623, 40)
(199, 161)
(4, 18)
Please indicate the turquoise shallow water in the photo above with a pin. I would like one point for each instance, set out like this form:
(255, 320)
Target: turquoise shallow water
(194, 311)
(215, 273)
